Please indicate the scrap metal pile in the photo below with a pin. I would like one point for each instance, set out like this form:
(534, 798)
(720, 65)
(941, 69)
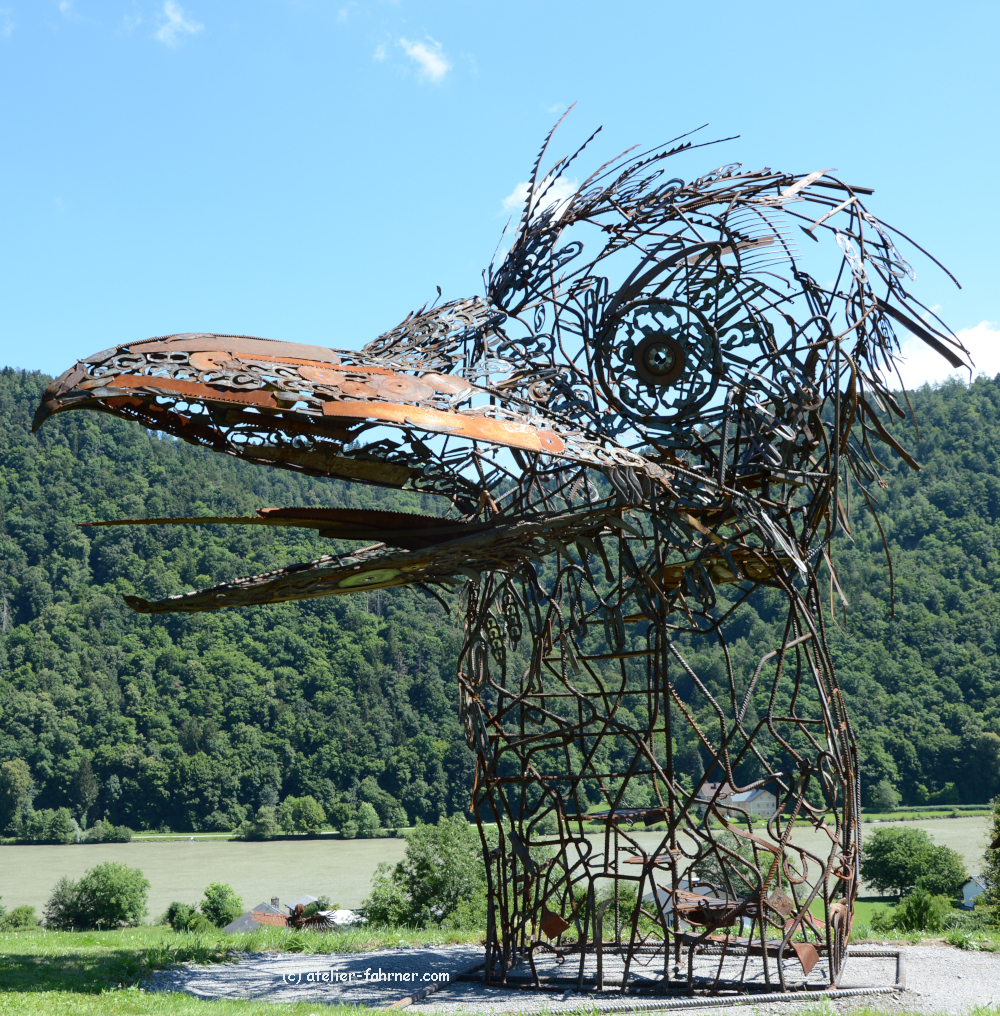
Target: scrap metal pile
(664, 401)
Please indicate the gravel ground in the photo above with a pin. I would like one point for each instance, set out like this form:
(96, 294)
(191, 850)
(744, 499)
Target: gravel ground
(939, 980)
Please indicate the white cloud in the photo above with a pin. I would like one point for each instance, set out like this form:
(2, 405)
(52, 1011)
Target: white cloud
(380, 54)
(345, 12)
(558, 193)
(177, 24)
(429, 57)
(6, 23)
(921, 365)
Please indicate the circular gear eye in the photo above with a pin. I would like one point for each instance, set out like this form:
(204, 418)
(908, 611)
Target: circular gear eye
(659, 359)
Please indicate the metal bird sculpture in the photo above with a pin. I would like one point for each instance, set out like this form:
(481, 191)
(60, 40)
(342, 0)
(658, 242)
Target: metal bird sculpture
(659, 408)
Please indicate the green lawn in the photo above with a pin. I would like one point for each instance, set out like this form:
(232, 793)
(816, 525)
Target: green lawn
(90, 962)
(101, 973)
(133, 1000)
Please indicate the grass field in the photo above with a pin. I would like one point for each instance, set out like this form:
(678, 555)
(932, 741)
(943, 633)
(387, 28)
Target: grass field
(131, 1001)
(101, 973)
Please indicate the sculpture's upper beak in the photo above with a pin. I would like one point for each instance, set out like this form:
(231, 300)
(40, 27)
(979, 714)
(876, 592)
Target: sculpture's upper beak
(298, 406)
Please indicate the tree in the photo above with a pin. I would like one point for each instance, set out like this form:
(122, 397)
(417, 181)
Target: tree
(109, 895)
(62, 911)
(884, 797)
(16, 792)
(901, 859)
(368, 823)
(221, 905)
(301, 815)
(263, 827)
(85, 789)
(60, 827)
(112, 894)
(991, 864)
(441, 874)
(340, 814)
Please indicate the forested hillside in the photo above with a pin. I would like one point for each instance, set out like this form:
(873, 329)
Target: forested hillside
(189, 721)
(192, 721)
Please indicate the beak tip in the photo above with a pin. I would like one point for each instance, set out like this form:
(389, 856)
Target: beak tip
(49, 407)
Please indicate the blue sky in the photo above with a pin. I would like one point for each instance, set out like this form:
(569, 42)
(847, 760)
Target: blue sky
(311, 170)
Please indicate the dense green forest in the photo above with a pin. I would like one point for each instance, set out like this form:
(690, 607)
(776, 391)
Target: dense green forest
(193, 722)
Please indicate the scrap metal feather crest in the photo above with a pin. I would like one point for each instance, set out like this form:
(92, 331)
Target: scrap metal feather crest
(662, 402)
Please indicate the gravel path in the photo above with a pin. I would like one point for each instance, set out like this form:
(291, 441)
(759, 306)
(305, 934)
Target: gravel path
(939, 980)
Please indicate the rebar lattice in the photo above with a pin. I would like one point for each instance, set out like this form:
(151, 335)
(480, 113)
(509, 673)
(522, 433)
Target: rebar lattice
(632, 445)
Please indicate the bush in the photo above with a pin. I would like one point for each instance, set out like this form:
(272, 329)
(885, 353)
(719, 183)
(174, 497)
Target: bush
(105, 832)
(109, 895)
(368, 823)
(340, 814)
(301, 815)
(50, 826)
(221, 904)
(988, 903)
(61, 912)
(179, 914)
(884, 797)
(917, 911)
(19, 919)
(263, 827)
(441, 878)
(349, 830)
(16, 791)
(901, 859)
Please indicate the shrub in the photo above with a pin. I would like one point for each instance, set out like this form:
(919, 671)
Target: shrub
(112, 894)
(989, 902)
(179, 914)
(108, 896)
(200, 923)
(61, 828)
(225, 821)
(884, 796)
(301, 815)
(368, 823)
(50, 826)
(349, 830)
(900, 859)
(185, 917)
(221, 904)
(16, 791)
(61, 912)
(917, 911)
(19, 919)
(263, 827)
(104, 832)
(441, 878)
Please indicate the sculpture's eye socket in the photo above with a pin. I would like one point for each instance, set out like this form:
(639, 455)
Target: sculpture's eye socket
(659, 359)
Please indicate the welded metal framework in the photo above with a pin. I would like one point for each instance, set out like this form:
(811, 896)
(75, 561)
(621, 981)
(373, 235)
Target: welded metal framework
(656, 411)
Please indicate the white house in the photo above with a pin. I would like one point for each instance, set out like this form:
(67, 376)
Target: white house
(970, 890)
(759, 802)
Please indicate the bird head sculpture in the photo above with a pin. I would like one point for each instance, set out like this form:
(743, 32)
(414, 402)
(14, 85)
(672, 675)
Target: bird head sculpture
(667, 387)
